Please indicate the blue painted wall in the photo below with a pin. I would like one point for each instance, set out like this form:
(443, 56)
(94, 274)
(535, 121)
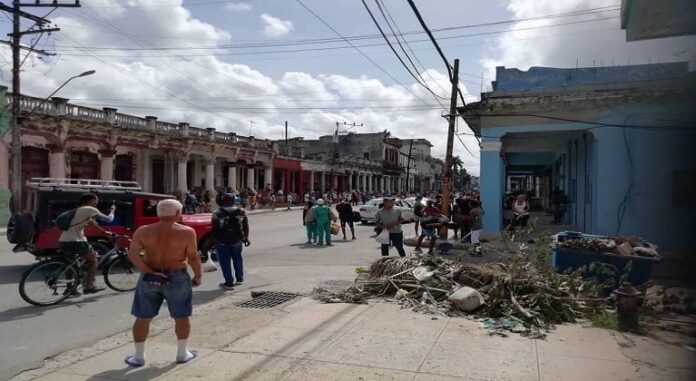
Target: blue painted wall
(599, 172)
(545, 77)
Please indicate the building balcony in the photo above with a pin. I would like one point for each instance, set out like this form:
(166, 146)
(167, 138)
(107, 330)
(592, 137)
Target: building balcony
(60, 108)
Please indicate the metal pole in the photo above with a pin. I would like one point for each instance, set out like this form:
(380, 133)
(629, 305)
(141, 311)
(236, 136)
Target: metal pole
(16, 152)
(447, 175)
(408, 166)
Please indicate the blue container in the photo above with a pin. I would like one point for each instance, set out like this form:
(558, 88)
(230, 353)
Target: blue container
(564, 259)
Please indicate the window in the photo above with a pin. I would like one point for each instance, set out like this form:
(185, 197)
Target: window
(149, 208)
(366, 155)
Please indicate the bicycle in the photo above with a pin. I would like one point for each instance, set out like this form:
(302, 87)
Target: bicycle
(56, 278)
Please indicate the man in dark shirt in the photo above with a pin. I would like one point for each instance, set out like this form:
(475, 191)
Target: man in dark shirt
(230, 230)
(345, 214)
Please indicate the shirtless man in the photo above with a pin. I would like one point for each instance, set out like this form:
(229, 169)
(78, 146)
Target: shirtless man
(168, 248)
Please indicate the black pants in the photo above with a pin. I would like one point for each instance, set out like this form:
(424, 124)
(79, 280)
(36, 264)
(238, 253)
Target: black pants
(397, 239)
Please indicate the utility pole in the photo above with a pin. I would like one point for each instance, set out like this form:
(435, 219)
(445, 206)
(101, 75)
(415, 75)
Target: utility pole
(16, 43)
(447, 175)
(408, 166)
(287, 150)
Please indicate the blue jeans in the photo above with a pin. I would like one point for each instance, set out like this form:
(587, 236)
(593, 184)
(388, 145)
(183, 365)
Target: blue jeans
(148, 297)
(230, 255)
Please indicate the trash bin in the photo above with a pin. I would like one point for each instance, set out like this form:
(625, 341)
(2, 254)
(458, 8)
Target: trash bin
(564, 259)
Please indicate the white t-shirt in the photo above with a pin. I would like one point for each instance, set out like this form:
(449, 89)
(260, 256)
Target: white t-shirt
(83, 215)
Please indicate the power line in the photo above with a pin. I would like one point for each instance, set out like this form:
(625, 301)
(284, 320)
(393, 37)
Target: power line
(351, 38)
(259, 43)
(357, 49)
(384, 6)
(397, 54)
(219, 2)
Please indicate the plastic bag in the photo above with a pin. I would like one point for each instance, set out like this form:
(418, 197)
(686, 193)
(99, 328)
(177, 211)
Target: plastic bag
(422, 273)
(383, 237)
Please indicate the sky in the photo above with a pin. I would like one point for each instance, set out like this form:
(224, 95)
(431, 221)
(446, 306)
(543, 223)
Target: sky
(250, 65)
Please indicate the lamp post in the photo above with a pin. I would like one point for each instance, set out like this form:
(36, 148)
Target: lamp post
(16, 186)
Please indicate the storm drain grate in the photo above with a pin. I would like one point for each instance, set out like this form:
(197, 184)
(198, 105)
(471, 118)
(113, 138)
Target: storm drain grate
(268, 299)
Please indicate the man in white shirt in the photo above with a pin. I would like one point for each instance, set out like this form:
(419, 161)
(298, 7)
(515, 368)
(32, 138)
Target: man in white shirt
(74, 240)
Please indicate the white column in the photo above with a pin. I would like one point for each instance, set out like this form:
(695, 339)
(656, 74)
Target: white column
(145, 170)
(56, 163)
(210, 175)
(5, 166)
(369, 182)
(311, 181)
(232, 177)
(181, 176)
(323, 181)
(267, 175)
(250, 178)
(350, 182)
(107, 168)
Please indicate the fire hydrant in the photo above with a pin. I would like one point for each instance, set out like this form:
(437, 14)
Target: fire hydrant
(627, 303)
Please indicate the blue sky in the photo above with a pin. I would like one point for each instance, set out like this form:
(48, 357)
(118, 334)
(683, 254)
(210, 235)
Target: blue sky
(182, 60)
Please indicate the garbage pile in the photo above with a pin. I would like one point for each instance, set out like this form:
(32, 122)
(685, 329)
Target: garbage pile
(521, 295)
(615, 245)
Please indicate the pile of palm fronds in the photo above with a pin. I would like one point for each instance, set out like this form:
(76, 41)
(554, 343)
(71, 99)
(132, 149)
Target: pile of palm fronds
(524, 292)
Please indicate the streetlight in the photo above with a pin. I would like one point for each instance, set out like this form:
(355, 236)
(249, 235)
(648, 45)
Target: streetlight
(85, 74)
(17, 140)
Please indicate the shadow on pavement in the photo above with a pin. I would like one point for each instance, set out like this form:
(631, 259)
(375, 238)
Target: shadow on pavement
(30, 311)
(12, 273)
(203, 297)
(128, 373)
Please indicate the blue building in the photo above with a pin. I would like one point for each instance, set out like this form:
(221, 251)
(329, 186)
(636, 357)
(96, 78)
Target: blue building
(619, 141)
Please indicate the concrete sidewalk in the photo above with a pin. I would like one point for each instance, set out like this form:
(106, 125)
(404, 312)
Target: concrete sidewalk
(306, 340)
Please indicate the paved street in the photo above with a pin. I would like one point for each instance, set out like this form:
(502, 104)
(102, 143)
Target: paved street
(277, 255)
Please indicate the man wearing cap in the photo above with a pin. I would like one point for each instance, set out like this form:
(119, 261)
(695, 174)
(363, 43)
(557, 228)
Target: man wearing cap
(168, 248)
(391, 219)
(323, 217)
(230, 229)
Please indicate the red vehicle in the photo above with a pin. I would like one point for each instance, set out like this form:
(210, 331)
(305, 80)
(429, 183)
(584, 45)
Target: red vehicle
(33, 230)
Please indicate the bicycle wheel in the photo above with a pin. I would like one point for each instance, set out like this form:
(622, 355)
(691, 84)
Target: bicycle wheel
(121, 275)
(48, 282)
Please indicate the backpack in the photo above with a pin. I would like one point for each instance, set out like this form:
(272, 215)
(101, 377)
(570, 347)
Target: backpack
(64, 220)
(227, 227)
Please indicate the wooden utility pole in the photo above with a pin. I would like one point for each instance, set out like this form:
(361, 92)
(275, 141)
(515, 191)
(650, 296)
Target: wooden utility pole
(287, 149)
(408, 166)
(16, 43)
(447, 171)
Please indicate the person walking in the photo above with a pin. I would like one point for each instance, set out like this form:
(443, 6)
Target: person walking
(476, 214)
(391, 219)
(430, 215)
(418, 212)
(73, 240)
(309, 223)
(345, 215)
(230, 229)
(169, 247)
(322, 216)
(290, 199)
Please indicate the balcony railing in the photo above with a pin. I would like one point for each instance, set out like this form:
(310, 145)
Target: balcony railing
(59, 107)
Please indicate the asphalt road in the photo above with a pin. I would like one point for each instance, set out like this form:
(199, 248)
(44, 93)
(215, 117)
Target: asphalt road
(277, 255)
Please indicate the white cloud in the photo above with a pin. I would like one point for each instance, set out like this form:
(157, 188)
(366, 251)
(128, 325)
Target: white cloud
(238, 7)
(586, 40)
(274, 27)
(208, 92)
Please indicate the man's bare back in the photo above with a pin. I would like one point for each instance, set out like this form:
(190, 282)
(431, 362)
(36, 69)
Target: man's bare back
(166, 245)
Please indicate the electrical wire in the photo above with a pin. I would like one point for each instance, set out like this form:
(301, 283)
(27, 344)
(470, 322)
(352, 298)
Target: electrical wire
(314, 42)
(374, 20)
(358, 49)
(415, 56)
